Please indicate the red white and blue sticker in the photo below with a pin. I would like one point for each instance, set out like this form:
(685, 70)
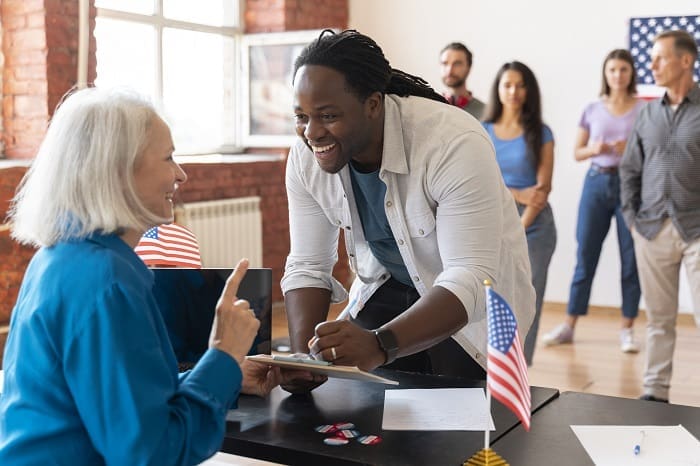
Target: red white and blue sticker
(339, 434)
(369, 439)
(335, 441)
(332, 428)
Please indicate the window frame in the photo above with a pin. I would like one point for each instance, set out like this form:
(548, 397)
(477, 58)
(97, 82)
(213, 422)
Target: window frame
(291, 40)
(159, 22)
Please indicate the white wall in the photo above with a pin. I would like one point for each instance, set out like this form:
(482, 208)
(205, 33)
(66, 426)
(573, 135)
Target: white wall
(564, 43)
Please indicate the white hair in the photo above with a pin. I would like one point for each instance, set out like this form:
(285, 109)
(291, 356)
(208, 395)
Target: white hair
(82, 179)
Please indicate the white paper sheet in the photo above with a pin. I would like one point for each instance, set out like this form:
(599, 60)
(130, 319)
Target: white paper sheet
(436, 409)
(225, 459)
(614, 445)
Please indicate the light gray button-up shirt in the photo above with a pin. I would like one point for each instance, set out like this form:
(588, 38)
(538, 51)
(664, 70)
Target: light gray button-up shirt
(454, 221)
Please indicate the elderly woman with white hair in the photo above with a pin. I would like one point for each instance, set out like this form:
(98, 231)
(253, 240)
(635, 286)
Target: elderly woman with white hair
(90, 375)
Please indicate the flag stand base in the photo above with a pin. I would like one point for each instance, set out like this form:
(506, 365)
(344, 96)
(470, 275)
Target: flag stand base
(486, 457)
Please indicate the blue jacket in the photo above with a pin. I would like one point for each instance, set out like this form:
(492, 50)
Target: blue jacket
(90, 375)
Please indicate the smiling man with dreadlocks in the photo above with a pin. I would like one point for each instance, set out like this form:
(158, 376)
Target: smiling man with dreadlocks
(413, 183)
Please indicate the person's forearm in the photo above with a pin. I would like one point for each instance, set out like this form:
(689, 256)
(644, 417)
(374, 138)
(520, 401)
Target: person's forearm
(545, 168)
(529, 215)
(433, 318)
(584, 153)
(305, 307)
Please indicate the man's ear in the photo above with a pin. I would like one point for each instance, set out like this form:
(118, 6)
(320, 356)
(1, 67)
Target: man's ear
(374, 105)
(688, 61)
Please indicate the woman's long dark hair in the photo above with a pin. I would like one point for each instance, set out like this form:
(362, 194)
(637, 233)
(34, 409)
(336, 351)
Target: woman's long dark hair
(531, 114)
(361, 61)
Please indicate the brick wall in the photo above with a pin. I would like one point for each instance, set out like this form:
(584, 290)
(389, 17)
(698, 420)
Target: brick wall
(40, 49)
(295, 15)
(13, 257)
(39, 45)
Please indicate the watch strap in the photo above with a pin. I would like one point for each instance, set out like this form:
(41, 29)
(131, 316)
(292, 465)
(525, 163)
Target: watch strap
(388, 344)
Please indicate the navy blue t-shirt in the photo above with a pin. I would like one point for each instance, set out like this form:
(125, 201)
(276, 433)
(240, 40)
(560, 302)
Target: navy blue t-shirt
(369, 193)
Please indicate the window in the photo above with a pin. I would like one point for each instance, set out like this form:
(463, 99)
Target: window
(183, 54)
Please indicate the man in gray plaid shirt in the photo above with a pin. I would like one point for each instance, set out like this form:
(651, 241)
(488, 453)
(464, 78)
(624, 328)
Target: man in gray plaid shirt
(660, 186)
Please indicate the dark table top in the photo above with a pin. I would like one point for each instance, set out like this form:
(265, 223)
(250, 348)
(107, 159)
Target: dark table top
(280, 428)
(551, 440)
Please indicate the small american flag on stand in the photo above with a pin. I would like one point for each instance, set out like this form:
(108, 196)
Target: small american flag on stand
(506, 373)
(170, 245)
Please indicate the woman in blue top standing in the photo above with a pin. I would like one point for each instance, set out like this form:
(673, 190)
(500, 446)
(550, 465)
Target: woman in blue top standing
(602, 135)
(90, 375)
(525, 153)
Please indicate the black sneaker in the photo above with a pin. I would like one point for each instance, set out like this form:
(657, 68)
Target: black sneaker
(653, 398)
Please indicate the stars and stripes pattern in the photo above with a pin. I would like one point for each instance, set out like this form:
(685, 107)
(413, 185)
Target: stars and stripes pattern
(641, 39)
(170, 245)
(506, 371)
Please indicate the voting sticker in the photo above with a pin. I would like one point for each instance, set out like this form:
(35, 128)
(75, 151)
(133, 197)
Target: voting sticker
(369, 439)
(343, 425)
(326, 428)
(335, 427)
(335, 441)
(347, 433)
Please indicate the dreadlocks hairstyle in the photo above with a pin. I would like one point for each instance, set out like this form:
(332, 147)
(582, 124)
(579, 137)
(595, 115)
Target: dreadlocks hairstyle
(531, 116)
(361, 61)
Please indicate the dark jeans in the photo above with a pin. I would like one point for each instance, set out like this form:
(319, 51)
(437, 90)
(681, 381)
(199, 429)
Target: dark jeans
(445, 358)
(600, 202)
(541, 241)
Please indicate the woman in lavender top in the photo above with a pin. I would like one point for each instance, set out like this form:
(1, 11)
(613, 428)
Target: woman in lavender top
(602, 135)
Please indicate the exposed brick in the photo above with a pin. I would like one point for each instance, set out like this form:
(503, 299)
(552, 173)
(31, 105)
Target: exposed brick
(36, 20)
(30, 87)
(21, 7)
(12, 22)
(28, 39)
(29, 105)
(37, 57)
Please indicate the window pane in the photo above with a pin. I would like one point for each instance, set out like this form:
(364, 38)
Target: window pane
(126, 55)
(211, 12)
(145, 7)
(198, 89)
(271, 95)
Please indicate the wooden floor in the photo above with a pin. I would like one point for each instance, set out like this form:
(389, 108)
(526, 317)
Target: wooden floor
(595, 364)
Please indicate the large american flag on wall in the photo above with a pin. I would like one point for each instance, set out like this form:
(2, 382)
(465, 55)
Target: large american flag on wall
(641, 39)
(506, 369)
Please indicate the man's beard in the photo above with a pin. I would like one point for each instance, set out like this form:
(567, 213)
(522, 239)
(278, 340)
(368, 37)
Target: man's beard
(456, 82)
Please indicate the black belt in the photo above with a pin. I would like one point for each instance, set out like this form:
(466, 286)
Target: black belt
(608, 170)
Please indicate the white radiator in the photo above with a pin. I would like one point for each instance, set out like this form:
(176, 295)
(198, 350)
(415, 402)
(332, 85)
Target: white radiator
(227, 230)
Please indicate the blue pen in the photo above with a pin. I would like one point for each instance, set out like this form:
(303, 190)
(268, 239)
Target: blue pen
(638, 447)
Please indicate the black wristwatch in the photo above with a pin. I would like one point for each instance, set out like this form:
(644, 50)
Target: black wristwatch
(388, 344)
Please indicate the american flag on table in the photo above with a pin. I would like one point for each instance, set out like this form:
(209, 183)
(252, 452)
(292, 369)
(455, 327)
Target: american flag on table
(506, 373)
(642, 33)
(170, 245)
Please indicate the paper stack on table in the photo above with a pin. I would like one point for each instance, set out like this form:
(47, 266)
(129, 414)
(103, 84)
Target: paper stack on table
(436, 409)
(639, 445)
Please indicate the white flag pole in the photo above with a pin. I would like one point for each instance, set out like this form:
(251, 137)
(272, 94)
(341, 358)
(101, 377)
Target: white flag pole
(487, 287)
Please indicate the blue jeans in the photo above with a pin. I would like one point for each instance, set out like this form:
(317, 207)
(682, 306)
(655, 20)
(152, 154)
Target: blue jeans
(600, 202)
(541, 241)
